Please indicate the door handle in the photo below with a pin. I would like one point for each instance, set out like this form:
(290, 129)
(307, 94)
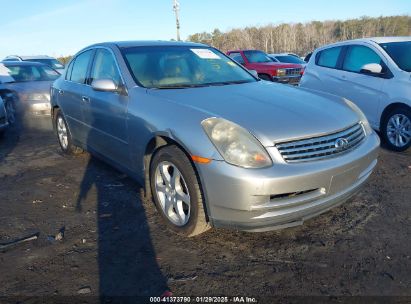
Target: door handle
(85, 99)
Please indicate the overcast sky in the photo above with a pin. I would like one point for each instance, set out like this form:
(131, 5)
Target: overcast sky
(63, 27)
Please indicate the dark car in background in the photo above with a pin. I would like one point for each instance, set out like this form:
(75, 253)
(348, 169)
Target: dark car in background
(287, 58)
(3, 117)
(28, 83)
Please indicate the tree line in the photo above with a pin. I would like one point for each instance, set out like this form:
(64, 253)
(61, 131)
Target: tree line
(302, 38)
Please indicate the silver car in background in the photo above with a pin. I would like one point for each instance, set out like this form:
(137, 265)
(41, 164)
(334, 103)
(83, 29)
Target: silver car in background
(212, 144)
(44, 59)
(30, 83)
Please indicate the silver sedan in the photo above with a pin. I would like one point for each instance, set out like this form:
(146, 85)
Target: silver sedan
(212, 144)
(30, 84)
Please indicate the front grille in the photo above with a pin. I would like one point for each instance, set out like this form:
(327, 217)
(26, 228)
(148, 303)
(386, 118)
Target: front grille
(322, 147)
(293, 72)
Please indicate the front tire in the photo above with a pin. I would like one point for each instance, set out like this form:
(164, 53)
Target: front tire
(63, 134)
(10, 111)
(396, 129)
(176, 192)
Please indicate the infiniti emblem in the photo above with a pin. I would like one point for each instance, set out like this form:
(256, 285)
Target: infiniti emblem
(341, 144)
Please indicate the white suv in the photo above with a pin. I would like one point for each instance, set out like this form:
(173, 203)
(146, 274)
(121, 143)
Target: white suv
(374, 73)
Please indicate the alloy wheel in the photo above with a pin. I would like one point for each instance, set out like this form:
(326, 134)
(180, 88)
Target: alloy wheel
(172, 193)
(62, 132)
(399, 130)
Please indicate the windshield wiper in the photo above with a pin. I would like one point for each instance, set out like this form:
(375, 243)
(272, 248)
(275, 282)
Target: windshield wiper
(179, 86)
(222, 83)
(200, 85)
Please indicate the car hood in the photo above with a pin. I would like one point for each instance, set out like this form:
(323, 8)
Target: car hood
(275, 65)
(41, 87)
(272, 112)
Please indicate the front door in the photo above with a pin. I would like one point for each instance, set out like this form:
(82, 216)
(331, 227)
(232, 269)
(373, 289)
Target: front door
(106, 112)
(365, 90)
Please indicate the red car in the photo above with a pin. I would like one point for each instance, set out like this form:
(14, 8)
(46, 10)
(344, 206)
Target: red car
(266, 68)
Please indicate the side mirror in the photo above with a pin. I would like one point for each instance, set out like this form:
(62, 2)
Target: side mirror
(104, 85)
(371, 68)
(254, 73)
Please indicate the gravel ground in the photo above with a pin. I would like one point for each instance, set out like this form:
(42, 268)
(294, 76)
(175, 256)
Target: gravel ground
(97, 238)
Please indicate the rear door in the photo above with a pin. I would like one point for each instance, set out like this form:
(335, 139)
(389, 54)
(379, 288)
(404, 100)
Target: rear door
(326, 75)
(71, 92)
(365, 90)
(105, 112)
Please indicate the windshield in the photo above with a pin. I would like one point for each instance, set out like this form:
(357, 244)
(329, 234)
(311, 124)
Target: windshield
(24, 73)
(400, 52)
(289, 59)
(257, 57)
(54, 63)
(176, 67)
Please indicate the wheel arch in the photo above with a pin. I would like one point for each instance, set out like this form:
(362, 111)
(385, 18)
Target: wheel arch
(391, 107)
(159, 140)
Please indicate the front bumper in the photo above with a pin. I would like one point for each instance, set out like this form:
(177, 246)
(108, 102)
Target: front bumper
(294, 80)
(39, 108)
(285, 194)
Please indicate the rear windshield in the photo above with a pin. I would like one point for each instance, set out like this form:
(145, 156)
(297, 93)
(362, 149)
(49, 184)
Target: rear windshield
(400, 52)
(257, 57)
(53, 63)
(24, 73)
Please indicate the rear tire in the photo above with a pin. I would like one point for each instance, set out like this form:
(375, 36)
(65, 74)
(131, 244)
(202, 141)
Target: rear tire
(176, 192)
(63, 134)
(396, 129)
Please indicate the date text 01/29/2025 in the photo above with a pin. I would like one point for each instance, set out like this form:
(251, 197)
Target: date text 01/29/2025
(205, 299)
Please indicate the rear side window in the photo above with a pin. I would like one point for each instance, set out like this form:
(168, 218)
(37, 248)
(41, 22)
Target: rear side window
(105, 67)
(329, 57)
(79, 72)
(357, 56)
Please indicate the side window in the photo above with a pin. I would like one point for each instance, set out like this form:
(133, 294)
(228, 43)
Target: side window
(69, 69)
(79, 71)
(105, 67)
(357, 56)
(237, 57)
(329, 57)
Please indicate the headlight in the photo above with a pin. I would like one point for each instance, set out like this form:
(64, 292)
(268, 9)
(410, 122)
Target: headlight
(363, 119)
(235, 144)
(281, 72)
(35, 97)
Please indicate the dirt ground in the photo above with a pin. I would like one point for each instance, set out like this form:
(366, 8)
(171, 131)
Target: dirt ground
(113, 244)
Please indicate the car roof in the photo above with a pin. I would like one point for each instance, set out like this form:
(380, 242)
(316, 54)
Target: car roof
(281, 54)
(245, 50)
(377, 40)
(29, 57)
(141, 43)
(21, 63)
